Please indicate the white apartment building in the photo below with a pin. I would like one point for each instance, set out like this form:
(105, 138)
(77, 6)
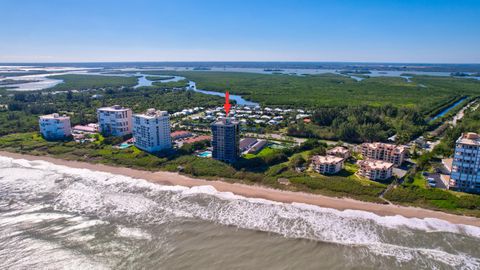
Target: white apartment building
(465, 174)
(151, 130)
(375, 169)
(114, 121)
(383, 151)
(53, 126)
(339, 151)
(327, 164)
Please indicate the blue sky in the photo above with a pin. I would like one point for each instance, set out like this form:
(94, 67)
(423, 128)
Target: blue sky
(432, 31)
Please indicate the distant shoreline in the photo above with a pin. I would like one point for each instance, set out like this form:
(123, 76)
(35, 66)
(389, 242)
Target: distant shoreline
(253, 191)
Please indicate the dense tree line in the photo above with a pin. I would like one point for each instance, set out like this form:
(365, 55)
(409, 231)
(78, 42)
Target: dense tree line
(361, 123)
(21, 109)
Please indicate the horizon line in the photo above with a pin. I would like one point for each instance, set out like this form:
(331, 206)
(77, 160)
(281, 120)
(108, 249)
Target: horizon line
(248, 61)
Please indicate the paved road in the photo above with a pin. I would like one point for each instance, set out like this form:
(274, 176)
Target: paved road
(460, 114)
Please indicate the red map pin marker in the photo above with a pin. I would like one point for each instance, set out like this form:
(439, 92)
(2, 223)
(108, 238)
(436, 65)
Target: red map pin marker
(227, 105)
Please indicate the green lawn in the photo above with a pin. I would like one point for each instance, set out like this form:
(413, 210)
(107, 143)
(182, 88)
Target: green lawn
(419, 180)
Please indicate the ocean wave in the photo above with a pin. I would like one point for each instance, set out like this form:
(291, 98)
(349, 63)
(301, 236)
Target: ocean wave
(136, 201)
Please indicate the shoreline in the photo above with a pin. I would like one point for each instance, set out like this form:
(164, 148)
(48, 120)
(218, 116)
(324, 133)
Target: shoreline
(255, 191)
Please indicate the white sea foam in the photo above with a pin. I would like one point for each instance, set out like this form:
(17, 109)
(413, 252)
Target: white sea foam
(112, 196)
(136, 233)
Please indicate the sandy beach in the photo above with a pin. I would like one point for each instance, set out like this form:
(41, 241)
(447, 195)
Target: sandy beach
(255, 191)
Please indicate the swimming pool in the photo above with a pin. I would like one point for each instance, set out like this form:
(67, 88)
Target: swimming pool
(124, 145)
(205, 154)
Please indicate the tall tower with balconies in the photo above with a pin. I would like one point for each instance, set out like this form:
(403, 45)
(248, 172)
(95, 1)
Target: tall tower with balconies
(465, 174)
(225, 140)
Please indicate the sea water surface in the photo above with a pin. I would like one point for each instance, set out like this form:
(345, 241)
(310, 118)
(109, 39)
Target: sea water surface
(55, 217)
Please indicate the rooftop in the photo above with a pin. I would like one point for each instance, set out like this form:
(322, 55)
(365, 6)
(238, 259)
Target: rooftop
(180, 133)
(113, 108)
(225, 121)
(247, 142)
(87, 128)
(326, 159)
(387, 146)
(152, 113)
(469, 138)
(375, 164)
(54, 116)
(338, 149)
(198, 139)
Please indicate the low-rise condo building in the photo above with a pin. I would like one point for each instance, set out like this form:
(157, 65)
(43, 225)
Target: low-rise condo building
(465, 174)
(89, 128)
(383, 151)
(114, 121)
(375, 169)
(225, 140)
(327, 164)
(151, 130)
(181, 134)
(247, 143)
(339, 151)
(54, 126)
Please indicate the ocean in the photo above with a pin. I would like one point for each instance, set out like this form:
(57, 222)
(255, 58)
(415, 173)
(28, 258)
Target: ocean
(55, 217)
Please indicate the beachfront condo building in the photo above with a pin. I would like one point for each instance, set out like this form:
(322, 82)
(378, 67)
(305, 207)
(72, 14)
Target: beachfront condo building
(327, 164)
(375, 169)
(54, 126)
(383, 151)
(225, 140)
(151, 130)
(114, 121)
(465, 174)
(339, 151)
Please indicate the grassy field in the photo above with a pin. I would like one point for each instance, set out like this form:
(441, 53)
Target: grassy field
(331, 89)
(264, 152)
(79, 82)
(419, 180)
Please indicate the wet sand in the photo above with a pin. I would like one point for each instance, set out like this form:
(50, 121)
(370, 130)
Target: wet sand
(255, 191)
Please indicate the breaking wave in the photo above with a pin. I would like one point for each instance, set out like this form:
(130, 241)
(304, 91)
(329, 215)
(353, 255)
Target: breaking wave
(110, 198)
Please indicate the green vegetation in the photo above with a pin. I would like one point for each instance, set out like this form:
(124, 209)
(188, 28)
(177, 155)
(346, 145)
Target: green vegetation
(434, 198)
(23, 73)
(263, 170)
(345, 109)
(18, 121)
(156, 78)
(341, 109)
(25, 107)
(415, 191)
(264, 152)
(8, 82)
(179, 84)
(80, 82)
(469, 123)
(361, 123)
(333, 90)
(341, 186)
(34, 144)
(419, 180)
